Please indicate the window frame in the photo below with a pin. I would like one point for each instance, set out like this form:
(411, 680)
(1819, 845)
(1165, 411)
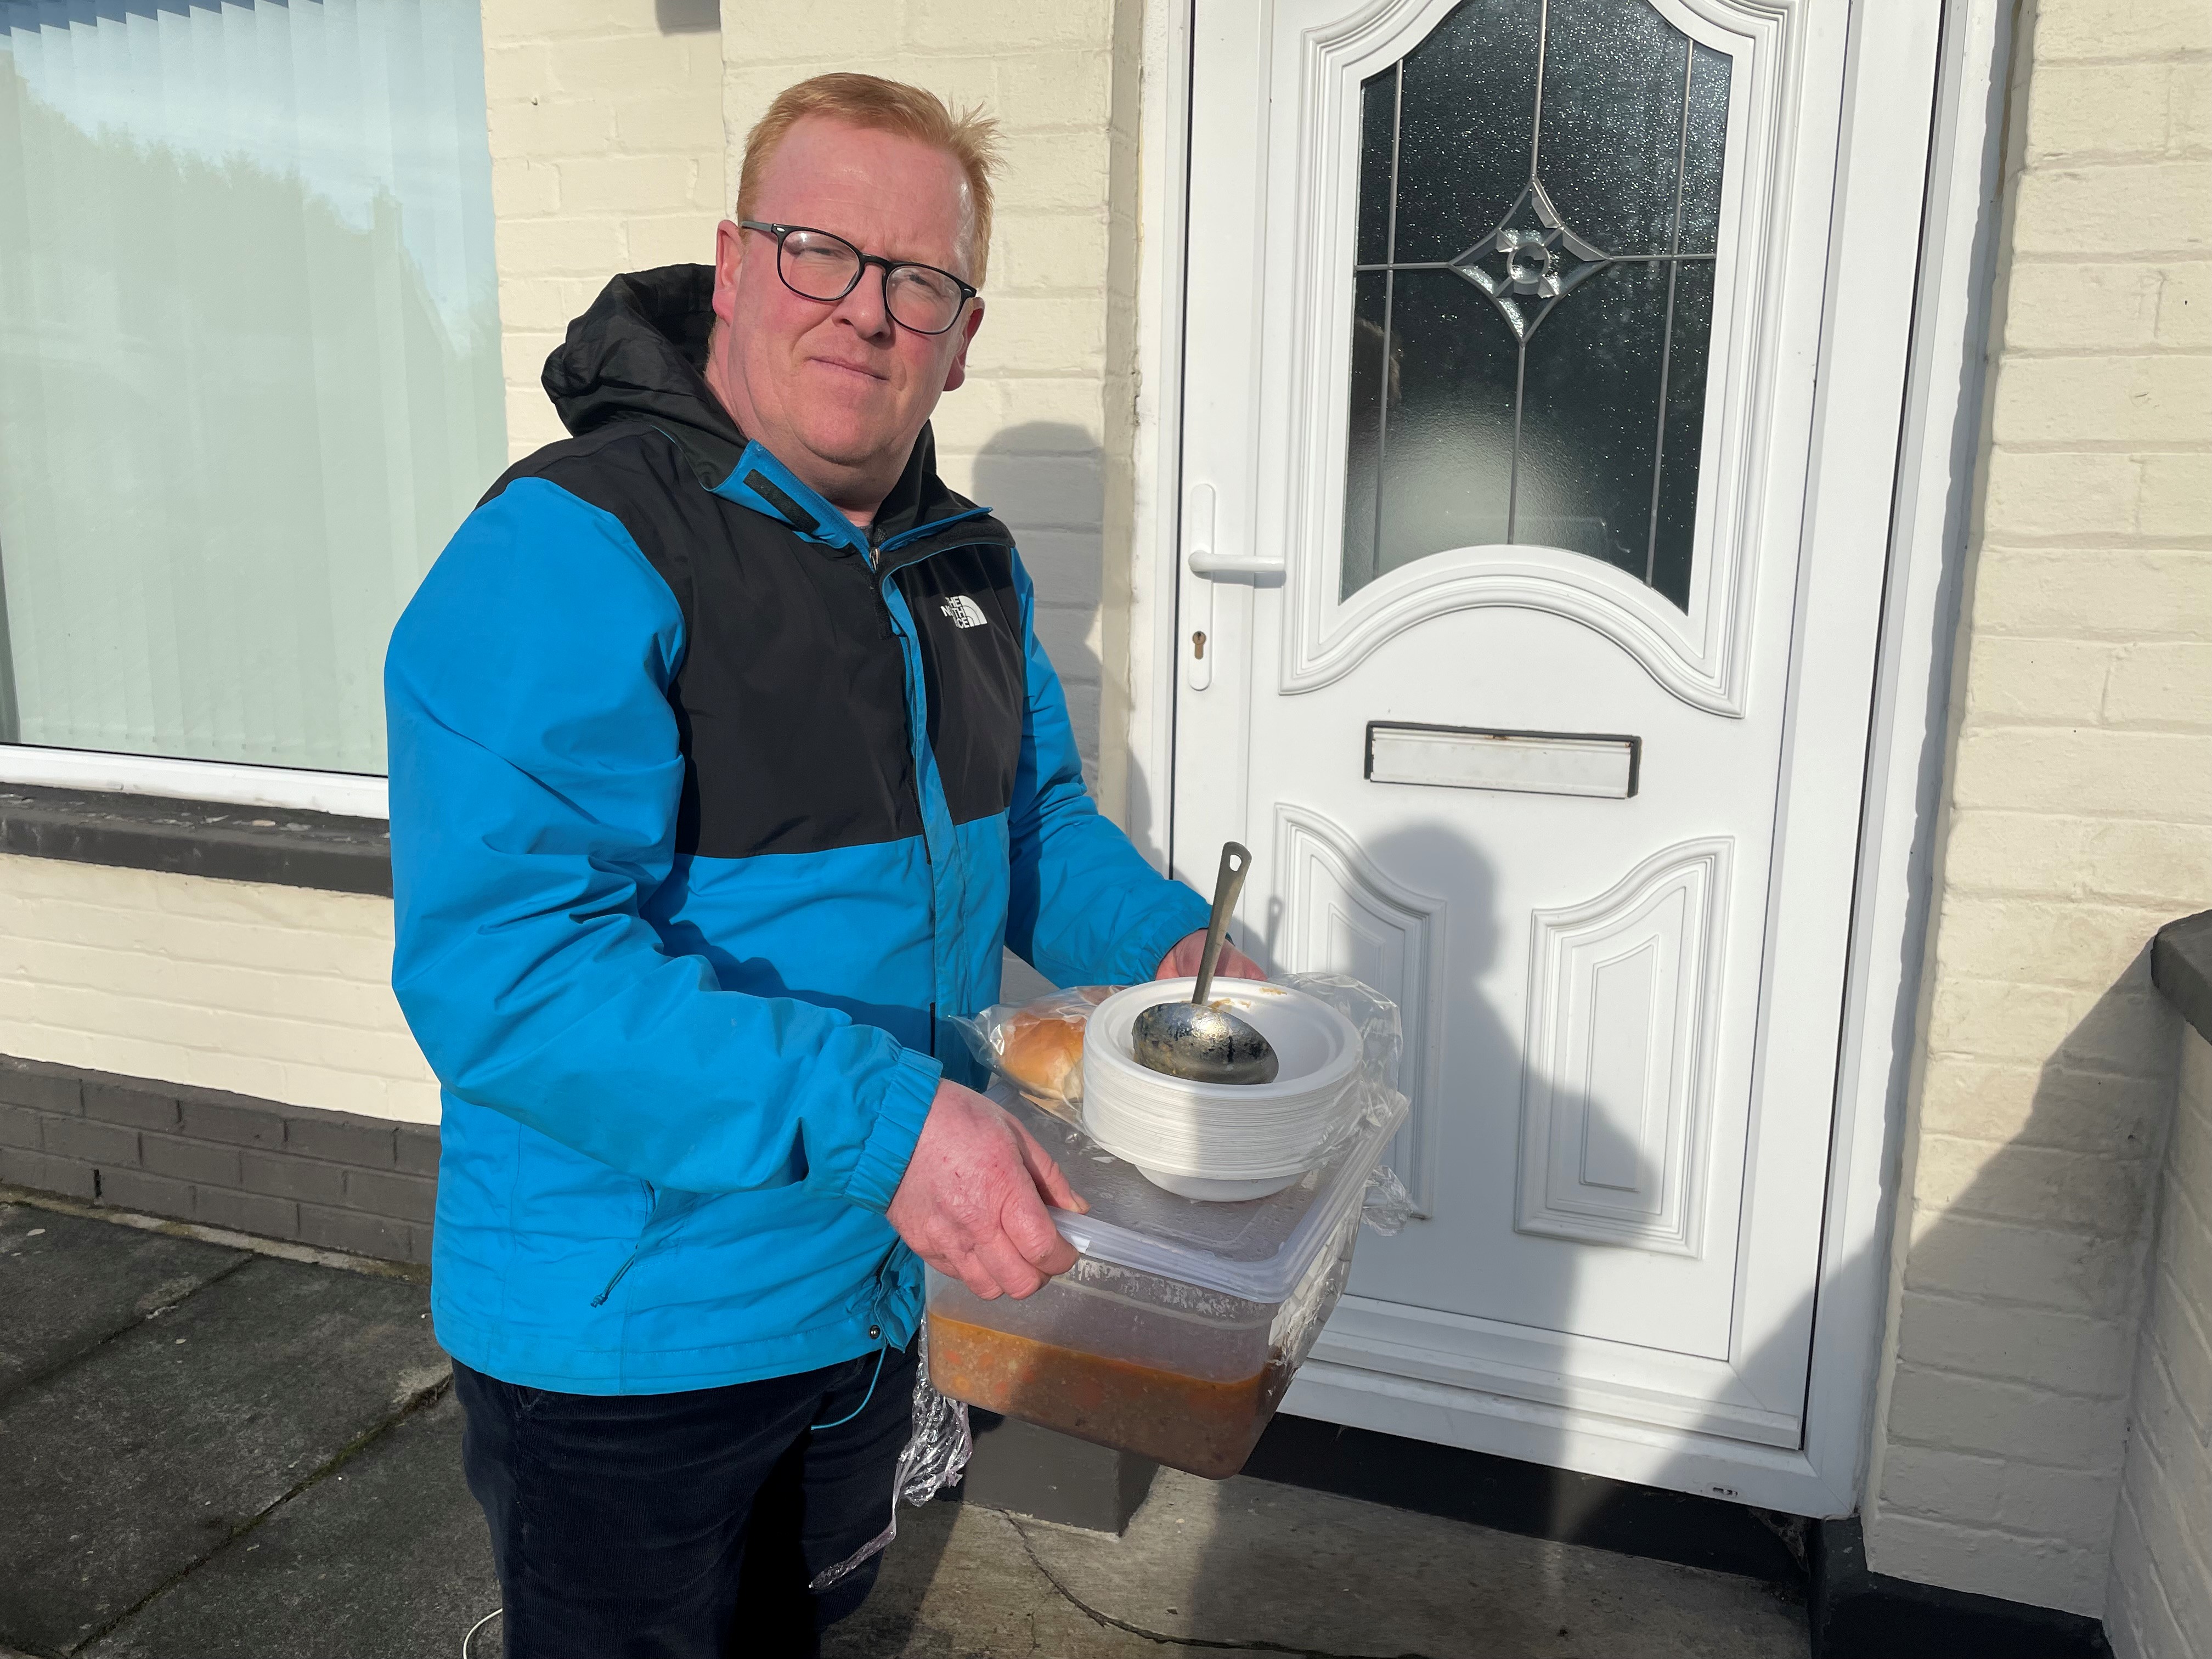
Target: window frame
(347, 794)
(290, 790)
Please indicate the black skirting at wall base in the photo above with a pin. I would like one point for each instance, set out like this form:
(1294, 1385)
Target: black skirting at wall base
(1858, 1613)
(335, 1180)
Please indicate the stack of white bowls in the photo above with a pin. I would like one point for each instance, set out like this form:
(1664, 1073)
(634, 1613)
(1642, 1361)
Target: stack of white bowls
(1221, 1140)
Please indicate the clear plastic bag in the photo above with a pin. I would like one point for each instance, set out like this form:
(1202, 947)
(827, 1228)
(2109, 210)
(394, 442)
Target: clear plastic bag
(1000, 1038)
(938, 1450)
(936, 1455)
(1370, 1096)
(1386, 1206)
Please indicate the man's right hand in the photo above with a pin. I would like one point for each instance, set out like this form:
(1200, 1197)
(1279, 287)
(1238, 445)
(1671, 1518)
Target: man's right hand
(972, 1201)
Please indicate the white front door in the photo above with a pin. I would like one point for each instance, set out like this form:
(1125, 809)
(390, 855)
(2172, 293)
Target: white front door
(1517, 643)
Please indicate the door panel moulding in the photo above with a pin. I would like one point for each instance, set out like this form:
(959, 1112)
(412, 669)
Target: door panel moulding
(1955, 150)
(1607, 1157)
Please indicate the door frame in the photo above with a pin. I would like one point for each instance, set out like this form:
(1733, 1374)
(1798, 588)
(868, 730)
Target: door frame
(1940, 303)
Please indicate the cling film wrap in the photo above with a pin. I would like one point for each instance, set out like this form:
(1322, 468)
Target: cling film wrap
(1386, 1206)
(1373, 1098)
(1298, 1321)
(938, 1450)
(986, 1034)
(936, 1455)
(1370, 1098)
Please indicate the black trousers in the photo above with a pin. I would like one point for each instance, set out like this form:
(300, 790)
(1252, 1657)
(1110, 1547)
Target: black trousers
(684, 1526)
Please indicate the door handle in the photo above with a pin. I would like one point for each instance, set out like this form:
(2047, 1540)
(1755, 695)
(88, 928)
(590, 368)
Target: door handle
(1202, 559)
(1204, 562)
(1199, 639)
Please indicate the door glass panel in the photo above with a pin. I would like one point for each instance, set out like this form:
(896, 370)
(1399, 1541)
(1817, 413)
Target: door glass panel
(1540, 196)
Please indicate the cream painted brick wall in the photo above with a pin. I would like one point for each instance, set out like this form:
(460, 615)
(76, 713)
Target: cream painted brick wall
(2078, 819)
(1041, 429)
(606, 155)
(282, 993)
(2160, 1602)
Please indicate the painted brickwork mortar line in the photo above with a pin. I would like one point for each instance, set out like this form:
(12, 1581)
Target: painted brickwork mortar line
(270, 992)
(2077, 820)
(606, 149)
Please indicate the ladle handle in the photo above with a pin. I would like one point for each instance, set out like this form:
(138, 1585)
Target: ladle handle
(1235, 864)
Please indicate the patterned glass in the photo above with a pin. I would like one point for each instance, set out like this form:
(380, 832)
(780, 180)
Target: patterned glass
(1539, 205)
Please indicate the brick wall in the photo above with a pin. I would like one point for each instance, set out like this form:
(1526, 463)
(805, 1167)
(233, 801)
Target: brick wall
(2078, 819)
(282, 993)
(605, 121)
(1032, 431)
(2161, 1584)
(332, 1179)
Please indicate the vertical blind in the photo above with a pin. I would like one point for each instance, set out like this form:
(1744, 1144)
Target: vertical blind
(249, 362)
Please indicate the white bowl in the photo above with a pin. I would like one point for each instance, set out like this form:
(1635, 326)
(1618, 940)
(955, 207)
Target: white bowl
(1218, 1192)
(1240, 1133)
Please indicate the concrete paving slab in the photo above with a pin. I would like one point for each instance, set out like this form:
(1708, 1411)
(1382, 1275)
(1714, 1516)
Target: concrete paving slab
(133, 1462)
(957, 1584)
(1250, 1564)
(385, 1558)
(1251, 1561)
(69, 1284)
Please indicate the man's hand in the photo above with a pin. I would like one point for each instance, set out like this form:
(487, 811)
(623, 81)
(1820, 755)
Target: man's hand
(972, 1201)
(1182, 962)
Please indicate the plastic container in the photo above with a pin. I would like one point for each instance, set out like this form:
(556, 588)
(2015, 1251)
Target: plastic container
(1178, 1330)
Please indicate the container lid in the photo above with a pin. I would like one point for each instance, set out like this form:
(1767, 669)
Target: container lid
(1258, 1250)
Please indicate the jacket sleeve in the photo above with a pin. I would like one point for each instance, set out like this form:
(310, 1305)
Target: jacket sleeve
(535, 783)
(1084, 907)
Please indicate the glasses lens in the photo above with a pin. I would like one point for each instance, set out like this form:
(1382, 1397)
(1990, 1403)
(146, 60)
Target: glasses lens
(818, 265)
(923, 300)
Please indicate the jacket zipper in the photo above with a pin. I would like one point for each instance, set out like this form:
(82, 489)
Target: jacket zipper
(652, 1207)
(599, 1301)
(914, 783)
(882, 576)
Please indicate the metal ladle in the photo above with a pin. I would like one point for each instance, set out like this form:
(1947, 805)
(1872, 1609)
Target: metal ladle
(1200, 1040)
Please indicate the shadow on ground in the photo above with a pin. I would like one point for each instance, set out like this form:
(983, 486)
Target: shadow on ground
(1252, 1566)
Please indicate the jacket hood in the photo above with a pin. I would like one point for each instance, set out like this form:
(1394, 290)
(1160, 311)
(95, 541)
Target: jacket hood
(640, 353)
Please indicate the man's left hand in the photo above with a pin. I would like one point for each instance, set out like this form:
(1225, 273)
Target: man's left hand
(1182, 962)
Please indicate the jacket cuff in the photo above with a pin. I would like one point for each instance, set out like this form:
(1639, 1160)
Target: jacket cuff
(908, 1089)
(1182, 913)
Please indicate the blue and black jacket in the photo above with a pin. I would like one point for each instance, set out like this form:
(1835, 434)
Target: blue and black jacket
(707, 811)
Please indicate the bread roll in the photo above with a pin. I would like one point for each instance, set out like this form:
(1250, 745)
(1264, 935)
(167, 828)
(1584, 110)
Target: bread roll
(1044, 1053)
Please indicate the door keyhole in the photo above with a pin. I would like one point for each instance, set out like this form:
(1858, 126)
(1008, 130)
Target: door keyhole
(1198, 644)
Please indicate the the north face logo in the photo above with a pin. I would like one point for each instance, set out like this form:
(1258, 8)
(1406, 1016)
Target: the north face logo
(964, 611)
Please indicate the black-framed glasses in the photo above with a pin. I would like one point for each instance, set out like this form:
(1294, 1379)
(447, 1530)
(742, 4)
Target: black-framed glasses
(817, 266)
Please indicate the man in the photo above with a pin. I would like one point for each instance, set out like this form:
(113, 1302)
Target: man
(724, 763)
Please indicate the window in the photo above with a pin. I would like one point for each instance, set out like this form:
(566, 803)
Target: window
(1539, 205)
(249, 363)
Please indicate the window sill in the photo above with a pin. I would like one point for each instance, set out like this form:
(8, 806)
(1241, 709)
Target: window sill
(282, 847)
(2181, 968)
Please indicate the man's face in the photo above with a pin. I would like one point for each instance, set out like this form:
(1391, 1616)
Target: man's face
(838, 391)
